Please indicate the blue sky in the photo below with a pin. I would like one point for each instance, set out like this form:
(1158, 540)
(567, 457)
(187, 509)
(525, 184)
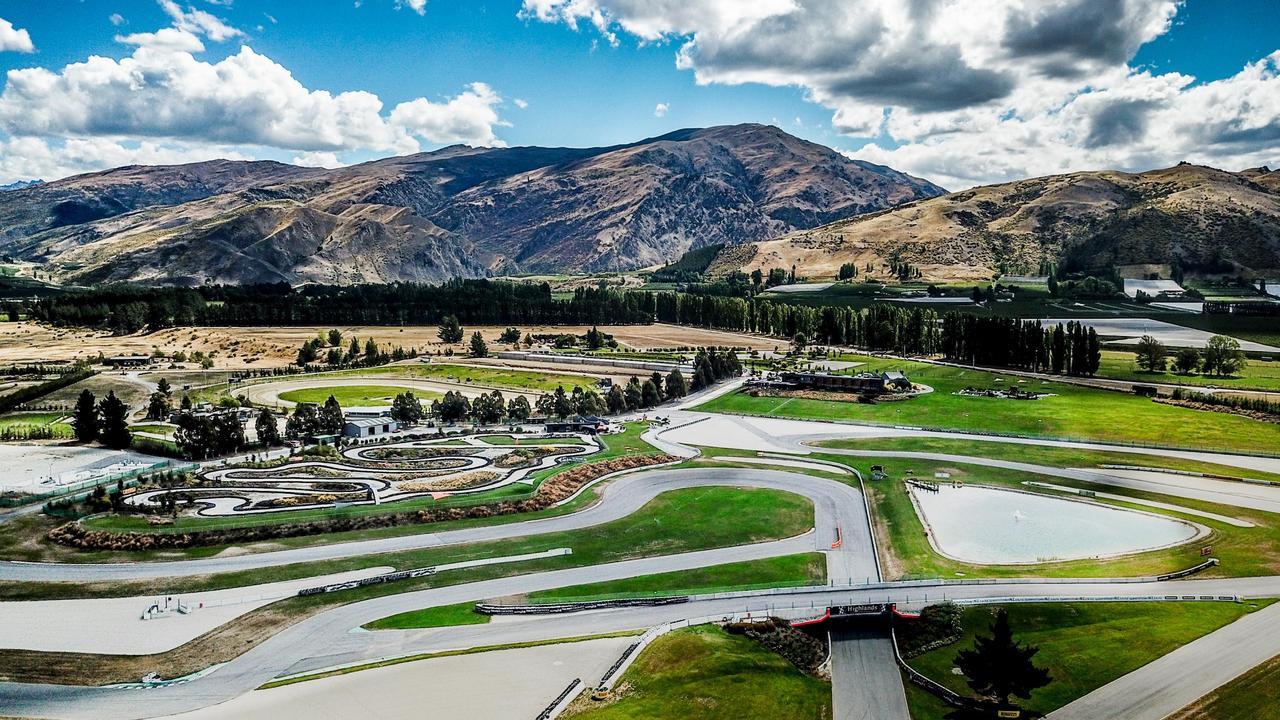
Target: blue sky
(593, 72)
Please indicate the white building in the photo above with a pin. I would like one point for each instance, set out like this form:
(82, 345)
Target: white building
(369, 427)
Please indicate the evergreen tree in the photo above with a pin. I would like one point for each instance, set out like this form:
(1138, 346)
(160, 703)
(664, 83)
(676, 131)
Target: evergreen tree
(588, 402)
(518, 409)
(304, 421)
(84, 420)
(268, 430)
(164, 387)
(450, 331)
(185, 405)
(616, 400)
(158, 406)
(649, 394)
(407, 409)
(561, 405)
(114, 422)
(675, 385)
(634, 393)
(479, 348)
(335, 338)
(998, 666)
(330, 419)
(656, 378)
(510, 336)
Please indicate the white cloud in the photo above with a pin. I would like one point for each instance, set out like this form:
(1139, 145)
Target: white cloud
(14, 39)
(169, 101)
(418, 6)
(469, 117)
(117, 19)
(29, 158)
(198, 22)
(165, 40)
(661, 109)
(520, 103)
(317, 159)
(967, 91)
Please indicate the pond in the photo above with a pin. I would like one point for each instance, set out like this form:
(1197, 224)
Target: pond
(990, 526)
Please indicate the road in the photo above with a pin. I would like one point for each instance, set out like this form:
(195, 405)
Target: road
(835, 505)
(865, 681)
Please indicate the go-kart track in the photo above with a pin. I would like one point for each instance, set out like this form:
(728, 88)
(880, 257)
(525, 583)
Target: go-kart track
(862, 680)
(376, 474)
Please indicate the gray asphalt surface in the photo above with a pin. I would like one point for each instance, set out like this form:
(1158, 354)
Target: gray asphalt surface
(835, 505)
(865, 681)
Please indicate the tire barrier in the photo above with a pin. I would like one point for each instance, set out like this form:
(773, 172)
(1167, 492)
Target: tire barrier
(557, 608)
(554, 708)
(1211, 562)
(375, 580)
(617, 664)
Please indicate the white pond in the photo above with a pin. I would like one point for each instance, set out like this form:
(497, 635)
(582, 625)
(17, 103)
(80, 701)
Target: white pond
(989, 526)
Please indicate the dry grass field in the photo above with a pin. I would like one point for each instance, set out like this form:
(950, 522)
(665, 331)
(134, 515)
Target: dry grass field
(258, 347)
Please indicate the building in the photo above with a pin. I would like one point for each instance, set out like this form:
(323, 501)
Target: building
(590, 425)
(373, 411)
(863, 383)
(369, 427)
(127, 361)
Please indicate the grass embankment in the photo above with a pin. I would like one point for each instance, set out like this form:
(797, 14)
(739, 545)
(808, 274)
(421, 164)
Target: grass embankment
(804, 569)
(1252, 696)
(1073, 412)
(724, 517)
(906, 552)
(1257, 375)
(31, 420)
(356, 395)
(706, 673)
(1084, 645)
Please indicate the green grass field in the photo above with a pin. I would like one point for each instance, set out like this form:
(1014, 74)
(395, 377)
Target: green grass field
(1252, 696)
(809, 568)
(156, 428)
(533, 380)
(1084, 645)
(34, 419)
(442, 616)
(356, 395)
(1073, 412)
(703, 672)
(1257, 375)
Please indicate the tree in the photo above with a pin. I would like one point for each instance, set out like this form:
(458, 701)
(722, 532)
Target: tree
(616, 400)
(998, 666)
(84, 420)
(335, 338)
(1222, 356)
(561, 404)
(333, 357)
(450, 331)
(453, 407)
(546, 405)
(158, 406)
(848, 271)
(164, 387)
(586, 401)
(799, 342)
(268, 430)
(330, 418)
(757, 278)
(649, 394)
(488, 408)
(304, 421)
(634, 393)
(518, 409)
(595, 339)
(353, 350)
(675, 385)
(510, 336)
(1151, 354)
(370, 349)
(306, 354)
(406, 408)
(185, 405)
(114, 423)
(205, 436)
(1187, 361)
(479, 348)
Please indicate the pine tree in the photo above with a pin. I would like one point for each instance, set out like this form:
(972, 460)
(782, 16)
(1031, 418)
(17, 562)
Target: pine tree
(675, 384)
(85, 419)
(114, 422)
(479, 348)
(450, 330)
(268, 430)
(998, 666)
(331, 419)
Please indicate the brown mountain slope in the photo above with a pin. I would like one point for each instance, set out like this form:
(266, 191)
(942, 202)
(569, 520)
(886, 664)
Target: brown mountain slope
(456, 211)
(1198, 216)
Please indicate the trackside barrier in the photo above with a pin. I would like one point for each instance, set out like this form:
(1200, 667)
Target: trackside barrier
(1190, 473)
(947, 695)
(558, 705)
(375, 580)
(1099, 598)
(556, 608)
(1211, 562)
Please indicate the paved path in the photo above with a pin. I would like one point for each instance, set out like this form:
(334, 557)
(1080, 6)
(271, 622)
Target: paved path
(865, 681)
(1164, 686)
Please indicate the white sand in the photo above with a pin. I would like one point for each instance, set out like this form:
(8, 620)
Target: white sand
(500, 684)
(114, 625)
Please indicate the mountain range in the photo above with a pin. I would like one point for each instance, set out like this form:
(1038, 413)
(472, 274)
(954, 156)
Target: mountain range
(1200, 218)
(458, 211)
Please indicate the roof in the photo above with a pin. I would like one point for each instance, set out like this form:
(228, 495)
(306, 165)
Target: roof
(369, 422)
